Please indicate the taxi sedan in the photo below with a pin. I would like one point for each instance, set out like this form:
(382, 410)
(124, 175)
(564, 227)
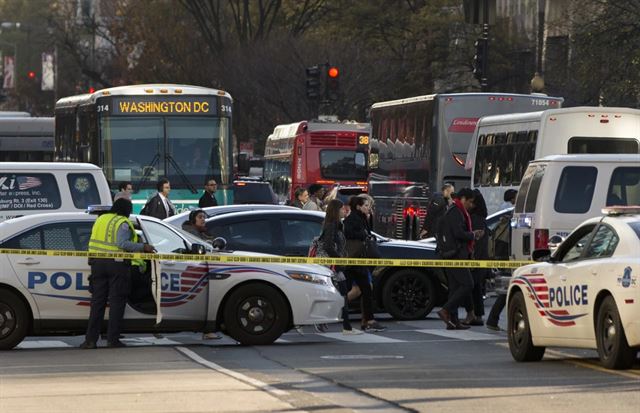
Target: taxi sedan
(252, 303)
(587, 294)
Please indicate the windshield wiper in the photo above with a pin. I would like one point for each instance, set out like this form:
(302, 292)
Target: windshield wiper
(182, 175)
(147, 172)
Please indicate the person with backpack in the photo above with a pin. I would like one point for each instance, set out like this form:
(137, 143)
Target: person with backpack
(435, 211)
(455, 240)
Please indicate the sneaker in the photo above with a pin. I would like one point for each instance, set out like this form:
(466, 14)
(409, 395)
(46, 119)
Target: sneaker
(321, 328)
(373, 327)
(116, 344)
(156, 335)
(352, 332)
(493, 327)
(211, 336)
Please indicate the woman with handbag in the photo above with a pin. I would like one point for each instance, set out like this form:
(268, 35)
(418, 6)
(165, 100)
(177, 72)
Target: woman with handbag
(333, 244)
(358, 235)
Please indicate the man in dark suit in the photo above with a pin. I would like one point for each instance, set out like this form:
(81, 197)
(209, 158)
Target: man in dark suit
(159, 206)
(208, 199)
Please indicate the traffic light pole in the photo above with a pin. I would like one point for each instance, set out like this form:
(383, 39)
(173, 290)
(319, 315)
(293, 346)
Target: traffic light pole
(484, 82)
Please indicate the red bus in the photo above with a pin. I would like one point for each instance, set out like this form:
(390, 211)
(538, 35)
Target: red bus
(304, 153)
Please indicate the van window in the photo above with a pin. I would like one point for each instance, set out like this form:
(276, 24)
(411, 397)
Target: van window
(534, 188)
(575, 189)
(624, 188)
(28, 191)
(524, 188)
(84, 191)
(579, 144)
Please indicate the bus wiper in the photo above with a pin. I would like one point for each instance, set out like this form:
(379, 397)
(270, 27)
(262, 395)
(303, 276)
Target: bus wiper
(182, 174)
(147, 172)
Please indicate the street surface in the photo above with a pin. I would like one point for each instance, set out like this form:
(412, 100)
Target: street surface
(413, 366)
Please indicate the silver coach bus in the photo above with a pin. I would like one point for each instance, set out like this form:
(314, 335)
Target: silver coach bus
(26, 139)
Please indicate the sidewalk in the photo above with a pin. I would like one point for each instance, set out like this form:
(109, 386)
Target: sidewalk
(156, 379)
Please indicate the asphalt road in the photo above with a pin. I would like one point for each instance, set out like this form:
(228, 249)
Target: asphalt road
(413, 366)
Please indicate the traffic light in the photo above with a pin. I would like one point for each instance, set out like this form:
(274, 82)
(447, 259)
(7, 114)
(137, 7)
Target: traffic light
(479, 60)
(313, 82)
(333, 82)
(31, 75)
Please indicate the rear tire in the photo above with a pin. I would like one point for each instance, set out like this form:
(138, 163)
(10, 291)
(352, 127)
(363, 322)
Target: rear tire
(613, 349)
(408, 295)
(256, 314)
(519, 331)
(14, 320)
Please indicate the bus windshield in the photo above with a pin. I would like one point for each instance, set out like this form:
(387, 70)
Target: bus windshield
(135, 150)
(343, 164)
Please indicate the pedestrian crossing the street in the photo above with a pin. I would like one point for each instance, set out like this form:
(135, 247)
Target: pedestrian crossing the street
(396, 334)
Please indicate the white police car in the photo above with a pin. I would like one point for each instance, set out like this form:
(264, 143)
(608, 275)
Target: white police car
(587, 294)
(253, 303)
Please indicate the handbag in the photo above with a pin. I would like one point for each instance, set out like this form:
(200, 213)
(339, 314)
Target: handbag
(317, 248)
(371, 247)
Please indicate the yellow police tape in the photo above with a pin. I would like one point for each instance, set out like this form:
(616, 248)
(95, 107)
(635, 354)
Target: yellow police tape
(224, 257)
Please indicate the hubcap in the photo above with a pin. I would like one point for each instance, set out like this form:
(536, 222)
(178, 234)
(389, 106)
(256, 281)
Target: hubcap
(256, 315)
(7, 320)
(608, 335)
(409, 295)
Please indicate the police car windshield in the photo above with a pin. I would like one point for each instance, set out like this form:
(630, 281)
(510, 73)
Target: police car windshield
(635, 226)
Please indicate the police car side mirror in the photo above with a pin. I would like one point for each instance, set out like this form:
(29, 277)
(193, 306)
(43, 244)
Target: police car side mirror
(198, 249)
(219, 243)
(541, 255)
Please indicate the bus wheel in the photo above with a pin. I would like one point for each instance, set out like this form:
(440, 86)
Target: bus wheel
(408, 295)
(519, 332)
(256, 314)
(14, 320)
(613, 349)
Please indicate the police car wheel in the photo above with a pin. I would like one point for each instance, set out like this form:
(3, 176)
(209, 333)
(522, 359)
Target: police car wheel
(14, 320)
(613, 349)
(519, 332)
(256, 314)
(408, 295)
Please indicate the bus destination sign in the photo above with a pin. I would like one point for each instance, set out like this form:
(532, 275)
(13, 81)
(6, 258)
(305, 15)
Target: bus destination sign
(161, 105)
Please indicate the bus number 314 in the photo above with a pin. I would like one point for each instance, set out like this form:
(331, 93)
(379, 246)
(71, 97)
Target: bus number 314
(102, 108)
(225, 108)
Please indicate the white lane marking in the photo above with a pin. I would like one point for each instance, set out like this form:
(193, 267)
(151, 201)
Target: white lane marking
(149, 341)
(465, 335)
(43, 344)
(239, 376)
(282, 341)
(365, 338)
(360, 357)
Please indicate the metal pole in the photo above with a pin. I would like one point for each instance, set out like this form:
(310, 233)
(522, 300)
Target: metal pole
(540, 45)
(484, 82)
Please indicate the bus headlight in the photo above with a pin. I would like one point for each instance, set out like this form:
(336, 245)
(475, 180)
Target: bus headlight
(311, 278)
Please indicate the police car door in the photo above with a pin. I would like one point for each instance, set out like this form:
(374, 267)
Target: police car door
(567, 296)
(183, 283)
(59, 285)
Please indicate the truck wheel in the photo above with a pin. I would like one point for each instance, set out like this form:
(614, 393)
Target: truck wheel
(519, 332)
(256, 314)
(613, 349)
(14, 320)
(408, 295)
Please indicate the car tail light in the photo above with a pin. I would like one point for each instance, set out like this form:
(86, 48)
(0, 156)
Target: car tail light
(409, 212)
(541, 239)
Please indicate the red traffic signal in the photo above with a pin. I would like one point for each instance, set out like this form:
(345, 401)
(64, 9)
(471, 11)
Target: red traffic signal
(92, 89)
(333, 72)
(31, 74)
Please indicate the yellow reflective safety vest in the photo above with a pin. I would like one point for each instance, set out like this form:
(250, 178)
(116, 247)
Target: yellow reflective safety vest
(104, 236)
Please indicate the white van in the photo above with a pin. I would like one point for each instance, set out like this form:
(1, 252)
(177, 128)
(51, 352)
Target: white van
(559, 192)
(28, 188)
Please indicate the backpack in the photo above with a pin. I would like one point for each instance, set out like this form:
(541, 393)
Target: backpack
(316, 249)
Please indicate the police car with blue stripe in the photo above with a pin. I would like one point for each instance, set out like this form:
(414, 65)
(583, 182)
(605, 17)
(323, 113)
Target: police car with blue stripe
(586, 295)
(253, 303)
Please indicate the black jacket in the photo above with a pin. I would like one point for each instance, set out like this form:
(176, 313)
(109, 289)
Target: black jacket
(481, 246)
(207, 200)
(334, 241)
(453, 233)
(435, 211)
(356, 231)
(155, 208)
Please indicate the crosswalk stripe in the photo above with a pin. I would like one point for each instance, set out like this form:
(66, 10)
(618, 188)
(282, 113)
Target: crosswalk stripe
(146, 341)
(465, 335)
(365, 338)
(43, 344)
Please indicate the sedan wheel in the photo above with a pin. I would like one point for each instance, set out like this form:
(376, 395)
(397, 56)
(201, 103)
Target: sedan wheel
(613, 349)
(408, 295)
(14, 320)
(519, 332)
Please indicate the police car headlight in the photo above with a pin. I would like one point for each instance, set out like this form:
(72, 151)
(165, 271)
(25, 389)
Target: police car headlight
(310, 278)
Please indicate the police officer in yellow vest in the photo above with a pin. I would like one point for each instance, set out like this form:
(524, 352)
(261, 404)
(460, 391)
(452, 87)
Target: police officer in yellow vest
(110, 278)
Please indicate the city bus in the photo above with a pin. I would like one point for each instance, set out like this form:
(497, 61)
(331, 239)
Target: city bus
(26, 139)
(304, 153)
(503, 146)
(142, 133)
(426, 138)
